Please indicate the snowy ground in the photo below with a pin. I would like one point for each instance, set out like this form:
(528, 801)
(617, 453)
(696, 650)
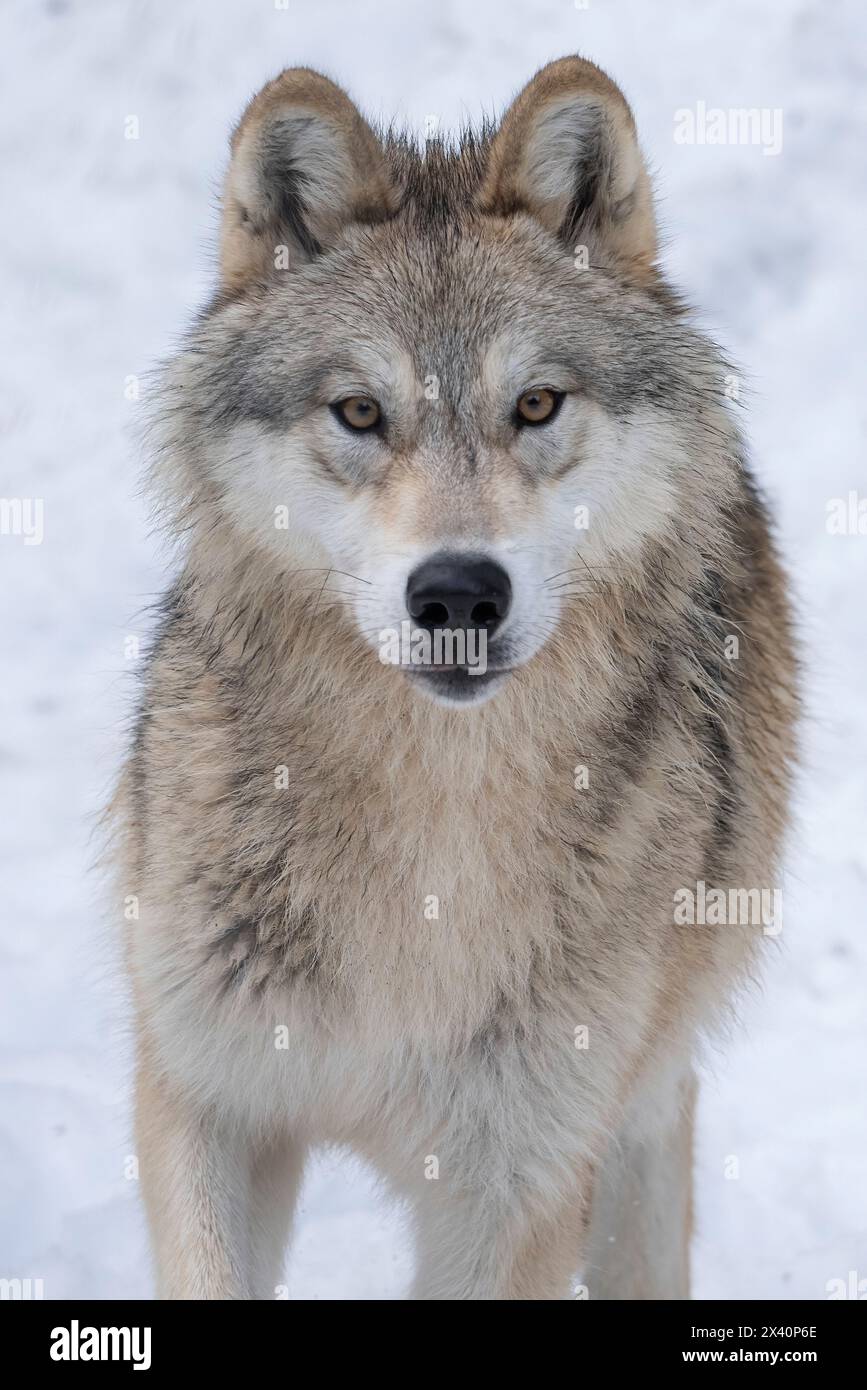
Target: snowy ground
(105, 247)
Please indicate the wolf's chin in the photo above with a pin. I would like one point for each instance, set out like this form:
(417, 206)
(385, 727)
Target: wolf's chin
(458, 688)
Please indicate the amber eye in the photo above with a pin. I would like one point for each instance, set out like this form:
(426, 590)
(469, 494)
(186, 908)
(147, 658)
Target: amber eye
(358, 412)
(538, 406)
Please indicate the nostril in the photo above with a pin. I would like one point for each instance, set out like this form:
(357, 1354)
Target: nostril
(485, 614)
(432, 615)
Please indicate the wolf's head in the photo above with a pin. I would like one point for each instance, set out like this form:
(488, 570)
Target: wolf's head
(448, 383)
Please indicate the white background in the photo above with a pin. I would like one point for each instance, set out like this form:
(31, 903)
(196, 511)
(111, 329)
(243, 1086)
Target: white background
(105, 249)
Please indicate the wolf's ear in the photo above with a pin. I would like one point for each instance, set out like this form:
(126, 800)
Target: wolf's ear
(304, 164)
(566, 153)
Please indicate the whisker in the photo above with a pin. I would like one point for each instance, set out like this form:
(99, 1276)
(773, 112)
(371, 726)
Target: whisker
(327, 570)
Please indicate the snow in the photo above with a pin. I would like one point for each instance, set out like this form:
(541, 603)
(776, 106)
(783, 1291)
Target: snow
(107, 247)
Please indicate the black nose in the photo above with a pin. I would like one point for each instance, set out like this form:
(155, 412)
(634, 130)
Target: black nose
(459, 591)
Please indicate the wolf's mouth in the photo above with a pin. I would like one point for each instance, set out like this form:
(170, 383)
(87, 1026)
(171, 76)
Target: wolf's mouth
(457, 685)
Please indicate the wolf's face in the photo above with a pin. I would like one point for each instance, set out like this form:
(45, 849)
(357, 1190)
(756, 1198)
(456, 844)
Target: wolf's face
(442, 389)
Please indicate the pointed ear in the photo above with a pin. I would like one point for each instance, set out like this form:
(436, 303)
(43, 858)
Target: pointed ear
(304, 164)
(567, 154)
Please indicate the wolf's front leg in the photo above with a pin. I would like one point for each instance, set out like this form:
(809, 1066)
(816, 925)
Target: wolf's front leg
(277, 1169)
(478, 1246)
(218, 1205)
(638, 1243)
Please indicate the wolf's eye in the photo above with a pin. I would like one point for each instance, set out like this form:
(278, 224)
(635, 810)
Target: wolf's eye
(538, 406)
(358, 412)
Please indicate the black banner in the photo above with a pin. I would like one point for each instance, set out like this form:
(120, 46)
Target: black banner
(73, 1338)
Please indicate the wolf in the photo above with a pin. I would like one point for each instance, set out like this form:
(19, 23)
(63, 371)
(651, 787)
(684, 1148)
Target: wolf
(418, 910)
